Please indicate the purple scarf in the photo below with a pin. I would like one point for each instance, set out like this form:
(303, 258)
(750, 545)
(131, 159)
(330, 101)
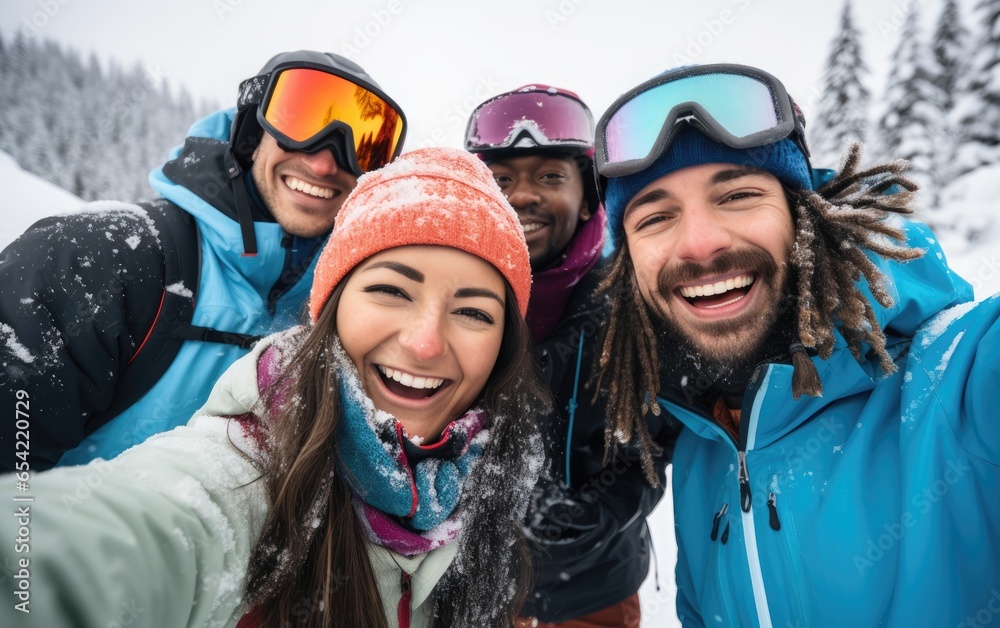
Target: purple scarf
(550, 288)
(382, 529)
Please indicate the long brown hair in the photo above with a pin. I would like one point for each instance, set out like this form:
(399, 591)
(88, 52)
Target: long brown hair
(310, 566)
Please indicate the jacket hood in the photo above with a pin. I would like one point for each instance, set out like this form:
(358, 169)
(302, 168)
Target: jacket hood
(920, 288)
(551, 288)
(200, 170)
(197, 179)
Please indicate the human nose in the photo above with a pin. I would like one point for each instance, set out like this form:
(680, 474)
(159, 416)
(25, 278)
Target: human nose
(702, 235)
(321, 163)
(521, 194)
(424, 337)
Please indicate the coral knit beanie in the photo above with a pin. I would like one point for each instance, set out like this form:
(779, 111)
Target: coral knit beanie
(431, 196)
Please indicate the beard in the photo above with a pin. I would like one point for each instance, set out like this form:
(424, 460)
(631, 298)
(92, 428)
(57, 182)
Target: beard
(721, 356)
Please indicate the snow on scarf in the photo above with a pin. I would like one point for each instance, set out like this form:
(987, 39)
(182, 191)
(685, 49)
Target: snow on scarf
(396, 478)
(405, 493)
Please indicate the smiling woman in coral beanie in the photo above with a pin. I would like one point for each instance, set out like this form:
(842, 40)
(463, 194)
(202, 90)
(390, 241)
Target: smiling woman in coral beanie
(334, 473)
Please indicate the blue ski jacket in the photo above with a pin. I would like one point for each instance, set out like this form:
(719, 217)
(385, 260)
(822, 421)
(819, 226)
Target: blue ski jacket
(235, 294)
(79, 296)
(873, 505)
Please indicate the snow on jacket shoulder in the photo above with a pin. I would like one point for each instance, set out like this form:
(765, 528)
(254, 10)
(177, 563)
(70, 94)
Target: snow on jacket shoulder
(76, 314)
(162, 534)
(77, 294)
(872, 505)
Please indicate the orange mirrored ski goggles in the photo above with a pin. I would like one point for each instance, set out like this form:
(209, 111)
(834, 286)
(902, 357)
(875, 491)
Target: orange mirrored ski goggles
(309, 109)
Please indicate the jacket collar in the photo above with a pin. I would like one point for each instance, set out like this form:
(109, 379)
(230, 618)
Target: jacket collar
(769, 410)
(551, 288)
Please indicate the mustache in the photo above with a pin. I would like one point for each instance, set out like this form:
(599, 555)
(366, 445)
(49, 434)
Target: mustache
(532, 210)
(752, 258)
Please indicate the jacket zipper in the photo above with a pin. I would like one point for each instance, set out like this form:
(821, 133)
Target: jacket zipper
(718, 518)
(290, 276)
(772, 509)
(746, 497)
(748, 438)
(280, 286)
(572, 409)
(403, 608)
(409, 472)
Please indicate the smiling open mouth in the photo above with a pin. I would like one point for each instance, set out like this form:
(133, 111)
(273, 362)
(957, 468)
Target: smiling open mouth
(719, 293)
(307, 188)
(407, 385)
(528, 227)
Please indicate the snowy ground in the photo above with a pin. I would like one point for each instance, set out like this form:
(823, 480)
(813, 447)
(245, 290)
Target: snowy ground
(27, 198)
(658, 606)
(973, 244)
(971, 247)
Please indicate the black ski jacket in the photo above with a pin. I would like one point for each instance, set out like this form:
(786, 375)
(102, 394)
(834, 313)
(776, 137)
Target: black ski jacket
(587, 523)
(79, 294)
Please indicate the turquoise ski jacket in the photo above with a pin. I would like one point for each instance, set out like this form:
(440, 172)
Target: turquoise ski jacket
(877, 504)
(236, 294)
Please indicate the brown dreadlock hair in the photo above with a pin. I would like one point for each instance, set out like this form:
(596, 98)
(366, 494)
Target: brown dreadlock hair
(834, 225)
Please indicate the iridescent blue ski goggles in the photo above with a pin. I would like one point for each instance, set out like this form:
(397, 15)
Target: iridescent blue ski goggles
(737, 105)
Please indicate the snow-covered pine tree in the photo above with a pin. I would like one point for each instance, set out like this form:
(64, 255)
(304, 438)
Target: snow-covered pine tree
(913, 107)
(950, 50)
(96, 133)
(977, 110)
(5, 87)
(949, 43)
(842, 114)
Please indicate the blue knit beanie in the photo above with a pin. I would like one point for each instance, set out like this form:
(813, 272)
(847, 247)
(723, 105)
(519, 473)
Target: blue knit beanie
(691, 147)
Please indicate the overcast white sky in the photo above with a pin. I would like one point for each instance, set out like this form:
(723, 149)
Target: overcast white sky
(440, 58)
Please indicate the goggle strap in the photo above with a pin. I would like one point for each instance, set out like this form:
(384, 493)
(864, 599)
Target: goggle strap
(244, 214)
(252, 91)
(799, 136)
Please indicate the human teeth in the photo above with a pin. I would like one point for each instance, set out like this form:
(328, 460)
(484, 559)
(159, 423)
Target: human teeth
(311, 190)
(411, 381)
(719, 287)
(532, 226)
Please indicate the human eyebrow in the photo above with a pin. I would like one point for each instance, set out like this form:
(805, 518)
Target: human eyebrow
(478, 292)
(649, 197)
(735, 173)
(404, 270)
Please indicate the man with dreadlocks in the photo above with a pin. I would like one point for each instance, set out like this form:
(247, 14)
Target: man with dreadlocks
(840, 459)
